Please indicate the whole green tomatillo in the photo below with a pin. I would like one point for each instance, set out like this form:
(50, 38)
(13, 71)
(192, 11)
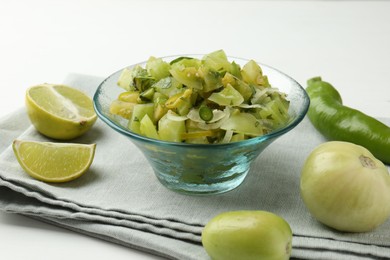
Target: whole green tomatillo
(341, 123)
(345, 187)
(247, 235)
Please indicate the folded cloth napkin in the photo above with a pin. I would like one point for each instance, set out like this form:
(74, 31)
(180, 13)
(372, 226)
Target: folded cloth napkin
(120, 200)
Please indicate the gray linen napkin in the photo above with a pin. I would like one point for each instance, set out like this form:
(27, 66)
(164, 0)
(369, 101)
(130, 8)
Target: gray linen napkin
(121, 201)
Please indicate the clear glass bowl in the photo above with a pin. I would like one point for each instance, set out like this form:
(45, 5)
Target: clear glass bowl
(202, 168)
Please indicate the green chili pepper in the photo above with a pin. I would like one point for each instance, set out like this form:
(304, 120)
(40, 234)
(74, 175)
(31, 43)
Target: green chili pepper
(206, 113)
(338, 122)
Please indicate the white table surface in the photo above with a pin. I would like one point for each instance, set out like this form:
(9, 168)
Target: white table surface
(345, 42)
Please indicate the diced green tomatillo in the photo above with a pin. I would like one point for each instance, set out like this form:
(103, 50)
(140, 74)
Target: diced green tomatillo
(139, 111)
(228, 79)
(245, 90)
(142, 80)
(147, 95)
(188, 76)
(159, 101)
(147, 128)
(217, 61)
(236, 70)
(263, 81)
(252, 73)
(143, 84)
(169, 130)
(243, 123)
(159, 111)
(229, 96)
(188, 63)
(125, 80)
(264, 113)
(136, 78)
(121, 108)
(157, 68)
(168, 86)
(275, 112)
(164, 83)
(212, 79)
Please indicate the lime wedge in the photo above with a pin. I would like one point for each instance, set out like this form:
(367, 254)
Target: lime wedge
(54, 162)
(59, 111)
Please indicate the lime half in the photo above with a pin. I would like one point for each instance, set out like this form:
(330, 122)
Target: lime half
(54, 162)
(59, 111)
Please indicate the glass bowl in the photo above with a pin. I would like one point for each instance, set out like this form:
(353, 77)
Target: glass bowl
(202, 168)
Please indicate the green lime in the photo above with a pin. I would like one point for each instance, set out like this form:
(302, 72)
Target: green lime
(54, 162)
(59, 111)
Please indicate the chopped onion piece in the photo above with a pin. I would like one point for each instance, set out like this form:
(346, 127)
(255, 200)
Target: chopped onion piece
(175, 117)
(260, 93)
(194, 115)
(228, 136)
(217, 115)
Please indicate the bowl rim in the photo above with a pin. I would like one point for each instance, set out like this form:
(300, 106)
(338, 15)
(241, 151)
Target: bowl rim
(258, 139)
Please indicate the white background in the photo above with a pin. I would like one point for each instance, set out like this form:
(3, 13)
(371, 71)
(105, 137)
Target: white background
(345, 42)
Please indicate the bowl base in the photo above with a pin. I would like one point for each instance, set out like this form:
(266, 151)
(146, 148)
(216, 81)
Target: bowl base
(192, 188)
